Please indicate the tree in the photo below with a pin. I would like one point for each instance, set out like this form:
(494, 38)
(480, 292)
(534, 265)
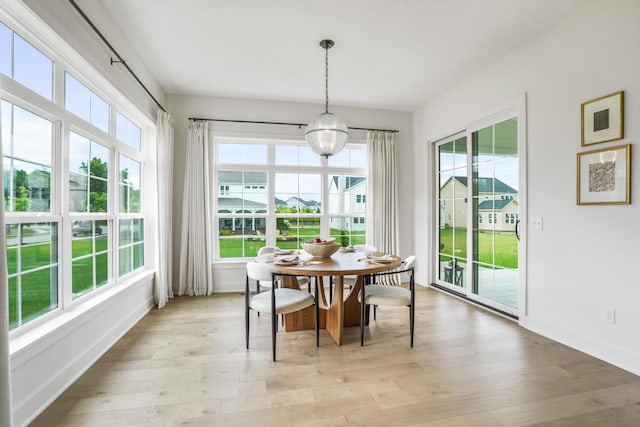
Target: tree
(97, 187)
(22, 203)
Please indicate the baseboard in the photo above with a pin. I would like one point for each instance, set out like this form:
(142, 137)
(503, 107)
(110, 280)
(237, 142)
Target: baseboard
(616, 356)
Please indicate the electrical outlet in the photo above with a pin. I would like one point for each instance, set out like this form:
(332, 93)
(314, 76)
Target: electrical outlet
(536, 222)
(609, 315)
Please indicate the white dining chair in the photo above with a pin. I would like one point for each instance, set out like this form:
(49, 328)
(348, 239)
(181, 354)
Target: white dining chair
(268, 250)
(279, 301)
(390, 288)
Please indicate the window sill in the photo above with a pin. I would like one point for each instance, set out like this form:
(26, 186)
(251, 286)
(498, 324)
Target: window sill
(74, 317)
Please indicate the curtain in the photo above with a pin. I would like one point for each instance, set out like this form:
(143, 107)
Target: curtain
(195, 250)
(382, 192)
(164, 182)
(6, 414)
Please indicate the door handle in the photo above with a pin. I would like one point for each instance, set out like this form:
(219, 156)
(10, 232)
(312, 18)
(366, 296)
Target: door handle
(518, 230)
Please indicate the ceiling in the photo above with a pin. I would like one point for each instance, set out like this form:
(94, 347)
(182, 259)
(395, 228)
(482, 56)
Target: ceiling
(391, 54)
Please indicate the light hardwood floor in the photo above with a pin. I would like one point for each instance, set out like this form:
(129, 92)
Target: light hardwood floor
(187, 365)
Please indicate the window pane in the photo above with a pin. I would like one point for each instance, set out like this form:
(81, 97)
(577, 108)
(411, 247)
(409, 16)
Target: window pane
(242, 153)
(32, 261)
(129, 185)
(297, 193)
(89, 160)
(99, 113)
(82, 102)
(32, 137)
(125, 260)
(296, 155)
(77, 98)
(354, 157)
(138, 256)
(241, 237)
(32, 68)
(82, 276)
(348, 230)
(347, 194)
(127, 132)
(5, 50)
(90, 255)
(242, 192)
(27, 140)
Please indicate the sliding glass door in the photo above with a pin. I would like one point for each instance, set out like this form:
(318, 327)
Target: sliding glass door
(496, 214)
(478, 213)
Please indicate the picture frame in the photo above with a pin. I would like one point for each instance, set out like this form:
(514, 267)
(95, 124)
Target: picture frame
(603, 119)
(604, 176)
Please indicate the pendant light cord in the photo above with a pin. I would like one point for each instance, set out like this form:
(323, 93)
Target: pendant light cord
(326, 79)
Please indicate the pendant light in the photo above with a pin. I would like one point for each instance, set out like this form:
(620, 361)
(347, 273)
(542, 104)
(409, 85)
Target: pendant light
(327, 134)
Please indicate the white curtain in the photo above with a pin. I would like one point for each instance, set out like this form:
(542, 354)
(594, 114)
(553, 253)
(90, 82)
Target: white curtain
(382, 192)
(6, 416)
(195, 251)
(164, 182)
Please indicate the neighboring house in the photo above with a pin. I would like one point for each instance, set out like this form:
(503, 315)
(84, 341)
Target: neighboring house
(298, 203)
(347, 195)
(497, 204)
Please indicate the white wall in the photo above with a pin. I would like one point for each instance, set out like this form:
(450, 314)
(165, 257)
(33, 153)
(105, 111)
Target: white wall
(584, 259)
(230, 276)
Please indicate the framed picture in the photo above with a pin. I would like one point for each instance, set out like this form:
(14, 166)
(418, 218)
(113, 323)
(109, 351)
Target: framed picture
(603, 119)
(604, 176)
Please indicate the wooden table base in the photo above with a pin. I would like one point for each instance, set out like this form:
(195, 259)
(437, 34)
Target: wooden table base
(334, 316)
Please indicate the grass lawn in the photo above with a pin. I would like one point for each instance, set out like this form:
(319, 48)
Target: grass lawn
(506, 246)
(248, 246)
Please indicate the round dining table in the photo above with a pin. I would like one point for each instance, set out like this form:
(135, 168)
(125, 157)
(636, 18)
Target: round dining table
(343, 309)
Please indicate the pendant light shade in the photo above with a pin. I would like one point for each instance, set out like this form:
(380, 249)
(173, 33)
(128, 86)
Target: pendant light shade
(327, 134)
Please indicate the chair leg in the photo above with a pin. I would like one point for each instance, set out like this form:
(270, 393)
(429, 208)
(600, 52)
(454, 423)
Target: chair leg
(317, 313)
(330, 288)
(246, 309)
(274, 326)
(362, 309)
(411, 323)
(258, 291)
(374, 312)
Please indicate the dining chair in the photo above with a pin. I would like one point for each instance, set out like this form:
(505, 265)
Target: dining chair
(350, 281)
(267, 250)
(279, 301)
(389, 288)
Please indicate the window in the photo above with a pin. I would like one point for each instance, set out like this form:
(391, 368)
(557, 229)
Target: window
(129, 185)
(73, 224)
(28, 143)
(361, 198)
(32, 264)
(128, 132)
(280, 201)
(88, 175)
(25, 64)
(85, 104)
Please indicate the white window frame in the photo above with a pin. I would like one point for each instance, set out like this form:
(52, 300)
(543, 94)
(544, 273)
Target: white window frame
(66, 60)
(272, 136)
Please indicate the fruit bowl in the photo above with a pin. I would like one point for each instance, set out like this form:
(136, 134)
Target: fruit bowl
(321, 250)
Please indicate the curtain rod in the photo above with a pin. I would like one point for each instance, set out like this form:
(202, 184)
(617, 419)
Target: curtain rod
(300, 125)
(119, 60)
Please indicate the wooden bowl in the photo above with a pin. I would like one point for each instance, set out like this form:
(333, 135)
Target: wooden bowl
(321, 250)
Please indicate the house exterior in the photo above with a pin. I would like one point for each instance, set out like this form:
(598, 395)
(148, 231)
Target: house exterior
(497, 204)
(347, 194)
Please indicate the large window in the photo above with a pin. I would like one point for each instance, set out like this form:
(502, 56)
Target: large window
(72, 184)
(272, 193)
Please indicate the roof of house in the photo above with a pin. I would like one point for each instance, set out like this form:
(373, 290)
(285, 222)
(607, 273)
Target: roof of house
(229, 177)
(296, 200)
(490, 205)
(488, 185)
(350, 181)
(238, 203)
